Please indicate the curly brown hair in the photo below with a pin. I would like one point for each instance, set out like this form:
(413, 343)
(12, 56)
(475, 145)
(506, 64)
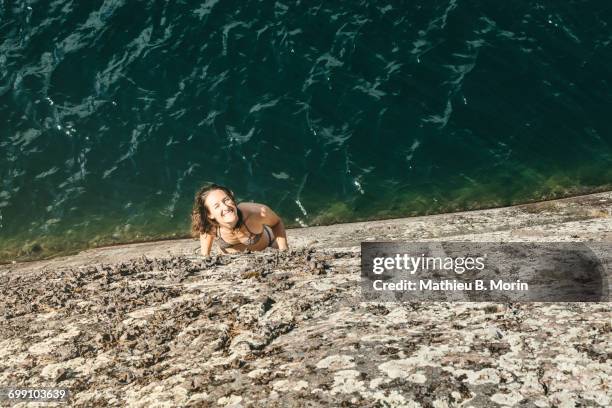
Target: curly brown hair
(200, 223)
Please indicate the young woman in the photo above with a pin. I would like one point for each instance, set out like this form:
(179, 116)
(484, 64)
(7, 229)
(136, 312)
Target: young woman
(237, 227)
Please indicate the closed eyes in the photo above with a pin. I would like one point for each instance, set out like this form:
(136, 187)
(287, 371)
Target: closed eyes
(226, 201)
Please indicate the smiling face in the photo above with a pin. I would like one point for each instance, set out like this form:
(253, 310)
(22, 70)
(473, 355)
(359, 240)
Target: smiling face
(221, 208)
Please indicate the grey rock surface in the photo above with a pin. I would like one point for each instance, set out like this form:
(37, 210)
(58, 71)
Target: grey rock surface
(154, 324)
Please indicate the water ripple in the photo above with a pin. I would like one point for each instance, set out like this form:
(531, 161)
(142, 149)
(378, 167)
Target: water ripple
(115, 112)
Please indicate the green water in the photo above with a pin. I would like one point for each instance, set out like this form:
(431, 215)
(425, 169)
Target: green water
(116, 112)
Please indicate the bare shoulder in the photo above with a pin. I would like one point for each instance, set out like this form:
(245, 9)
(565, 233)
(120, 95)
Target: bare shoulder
(256, 213)
(255, 210)
(208, 235)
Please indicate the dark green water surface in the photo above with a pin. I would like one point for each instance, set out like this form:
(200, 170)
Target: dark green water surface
(114, 112)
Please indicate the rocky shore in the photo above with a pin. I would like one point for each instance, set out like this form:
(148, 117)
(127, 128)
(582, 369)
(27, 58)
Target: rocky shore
(155, 325)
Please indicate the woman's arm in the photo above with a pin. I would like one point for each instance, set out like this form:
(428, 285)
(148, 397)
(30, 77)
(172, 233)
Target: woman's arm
(280, 234)
(206, 241)
(269, 217)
